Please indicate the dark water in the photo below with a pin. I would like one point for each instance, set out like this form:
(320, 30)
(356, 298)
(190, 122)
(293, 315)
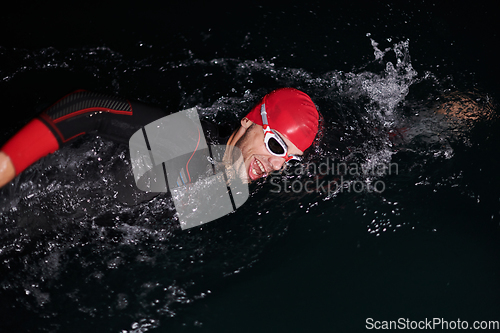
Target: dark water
(413, 85)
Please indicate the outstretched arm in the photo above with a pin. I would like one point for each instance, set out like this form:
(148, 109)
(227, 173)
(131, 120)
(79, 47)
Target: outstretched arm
(72, 116)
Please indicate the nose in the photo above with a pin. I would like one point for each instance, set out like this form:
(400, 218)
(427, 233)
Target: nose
(276, 162)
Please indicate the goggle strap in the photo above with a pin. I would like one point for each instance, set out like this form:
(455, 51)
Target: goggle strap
(263, 113)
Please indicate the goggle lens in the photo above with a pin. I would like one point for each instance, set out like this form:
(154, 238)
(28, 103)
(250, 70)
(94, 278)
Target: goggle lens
(275, 147)
(274, 143)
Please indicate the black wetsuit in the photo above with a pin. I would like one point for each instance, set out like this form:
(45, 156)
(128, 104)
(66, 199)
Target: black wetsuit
(111, 117)
(84, 112)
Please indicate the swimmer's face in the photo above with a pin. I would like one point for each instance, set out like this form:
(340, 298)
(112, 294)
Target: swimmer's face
(257, 161)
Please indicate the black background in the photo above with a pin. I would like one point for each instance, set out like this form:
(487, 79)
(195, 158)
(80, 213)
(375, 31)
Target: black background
(446, 37)
(297, 33)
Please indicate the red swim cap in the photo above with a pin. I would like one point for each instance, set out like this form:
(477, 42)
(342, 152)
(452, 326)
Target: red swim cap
(292, 113)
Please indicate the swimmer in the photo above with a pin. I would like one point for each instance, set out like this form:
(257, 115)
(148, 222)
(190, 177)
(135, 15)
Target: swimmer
(277, 130)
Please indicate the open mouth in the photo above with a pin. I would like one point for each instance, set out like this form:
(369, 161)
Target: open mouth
(256, 170)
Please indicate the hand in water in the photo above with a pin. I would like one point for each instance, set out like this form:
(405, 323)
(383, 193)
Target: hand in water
(7, 171)
(470, 106)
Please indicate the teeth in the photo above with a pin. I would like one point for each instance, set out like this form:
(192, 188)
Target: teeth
(261, 166)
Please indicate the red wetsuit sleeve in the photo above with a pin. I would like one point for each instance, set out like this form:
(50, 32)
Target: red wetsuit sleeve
(31, 143)
(76, 114)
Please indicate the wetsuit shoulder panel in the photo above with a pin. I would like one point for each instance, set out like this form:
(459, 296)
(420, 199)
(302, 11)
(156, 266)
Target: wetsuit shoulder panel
(82, 101)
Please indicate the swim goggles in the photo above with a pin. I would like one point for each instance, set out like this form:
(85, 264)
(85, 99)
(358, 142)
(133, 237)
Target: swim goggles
(274, 143)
